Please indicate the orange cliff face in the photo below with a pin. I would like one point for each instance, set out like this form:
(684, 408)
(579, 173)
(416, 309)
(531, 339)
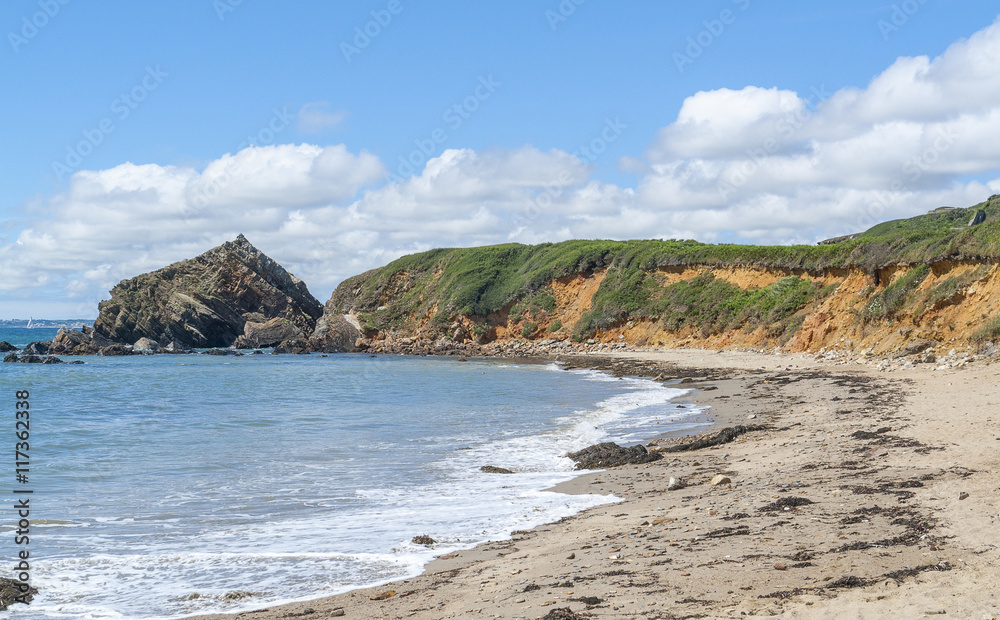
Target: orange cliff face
(934, 312)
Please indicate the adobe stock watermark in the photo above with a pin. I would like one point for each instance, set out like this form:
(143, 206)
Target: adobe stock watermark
(454, 117)
(224, 7)
(265, 136)
(364, 35)
(901, 14)
(562, 13)
(912, 171)
(588, 154)
(121, 107)
(31, 26)
(785, 127)
(714, 29)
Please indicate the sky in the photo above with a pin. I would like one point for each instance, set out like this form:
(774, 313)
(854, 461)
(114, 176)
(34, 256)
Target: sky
(339, 136)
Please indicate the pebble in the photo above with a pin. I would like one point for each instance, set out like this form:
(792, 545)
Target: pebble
(336, 613)
(962, 495)
(721, 479)
(571, 556)
(675, 484)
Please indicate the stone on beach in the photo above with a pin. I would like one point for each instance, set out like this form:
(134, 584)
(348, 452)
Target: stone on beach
(676, 484)
(721, 479)
(490, 469)
(608, 454)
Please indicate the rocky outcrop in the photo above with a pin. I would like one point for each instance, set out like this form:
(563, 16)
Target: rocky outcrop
(268, 334)
(78, 342)
(6, 346)
(208, 300)
(336, 332)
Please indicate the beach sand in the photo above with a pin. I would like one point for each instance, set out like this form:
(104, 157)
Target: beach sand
(869, 495)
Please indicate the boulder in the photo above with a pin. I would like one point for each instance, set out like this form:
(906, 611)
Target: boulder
(10, 593)
(115, 350)
(146, 345)
(78, 342)
(206, 301)
(6, 346)
(268, 334)
(490, 469)
(10, 357)
(721, 479)
(427, 541)
(38, 348)
(337, 332)
(603, 455)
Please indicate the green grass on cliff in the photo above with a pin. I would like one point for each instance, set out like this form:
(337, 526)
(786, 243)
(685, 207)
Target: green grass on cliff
(478, 282)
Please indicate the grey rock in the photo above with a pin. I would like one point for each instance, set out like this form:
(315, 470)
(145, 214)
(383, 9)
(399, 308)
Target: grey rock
(490, 469)
(115, 350)
(608, 454)
(202, 302)
(6, 346)
(37, 348)
(675, 484)
(146, 345)
(978, 218)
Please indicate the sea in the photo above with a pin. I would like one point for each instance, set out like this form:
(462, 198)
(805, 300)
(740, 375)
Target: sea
(171, 485)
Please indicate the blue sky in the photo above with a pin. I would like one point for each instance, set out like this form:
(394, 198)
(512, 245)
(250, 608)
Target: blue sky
(119, 118)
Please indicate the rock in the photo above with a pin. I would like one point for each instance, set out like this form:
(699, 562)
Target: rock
(37, 348)
(6, 346)
(267, 334)
(205, 302)
(383, 595)
(423, 540)
(146, 345)
(978, 218)
(489, 469)
(10, 593)
(115, 350)
(571, 556)
(78, 342)
(918, 346)
(963, 495)
(780, 566)
(220, 352)
(336, 613)
(10, 358)
(721, 479)
(675, 484)
(51, 360)
(561, 613)
(608, 454)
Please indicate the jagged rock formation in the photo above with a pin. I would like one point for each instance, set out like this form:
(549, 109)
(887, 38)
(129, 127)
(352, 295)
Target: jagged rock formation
(207, 301)
(336, 332)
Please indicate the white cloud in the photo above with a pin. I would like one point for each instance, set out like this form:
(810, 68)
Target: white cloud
(318, 116)
(758, 164)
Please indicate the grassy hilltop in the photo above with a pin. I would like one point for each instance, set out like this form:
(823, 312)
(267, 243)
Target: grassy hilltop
(513, 283)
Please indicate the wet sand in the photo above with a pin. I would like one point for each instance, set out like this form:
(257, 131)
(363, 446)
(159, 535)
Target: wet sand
(865, 495)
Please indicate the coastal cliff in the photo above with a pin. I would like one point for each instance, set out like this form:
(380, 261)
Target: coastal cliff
(901, 288)
(231, 292)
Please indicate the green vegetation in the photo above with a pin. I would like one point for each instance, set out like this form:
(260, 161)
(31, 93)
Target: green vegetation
(528, 329)
(555, 326)
(885, 303)
(489, 281)
(990, 332)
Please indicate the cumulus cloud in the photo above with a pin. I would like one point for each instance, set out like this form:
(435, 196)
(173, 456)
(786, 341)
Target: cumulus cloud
(758, 164)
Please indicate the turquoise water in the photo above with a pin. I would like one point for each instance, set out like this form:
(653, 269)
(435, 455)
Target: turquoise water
(20, 336)
(174, 485)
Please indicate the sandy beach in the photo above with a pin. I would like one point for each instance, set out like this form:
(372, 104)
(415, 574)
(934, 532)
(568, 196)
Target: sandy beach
(861, 494)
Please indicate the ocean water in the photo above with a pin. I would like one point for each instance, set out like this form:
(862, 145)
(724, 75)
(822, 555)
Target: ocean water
(20, 336)
(167, 486)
